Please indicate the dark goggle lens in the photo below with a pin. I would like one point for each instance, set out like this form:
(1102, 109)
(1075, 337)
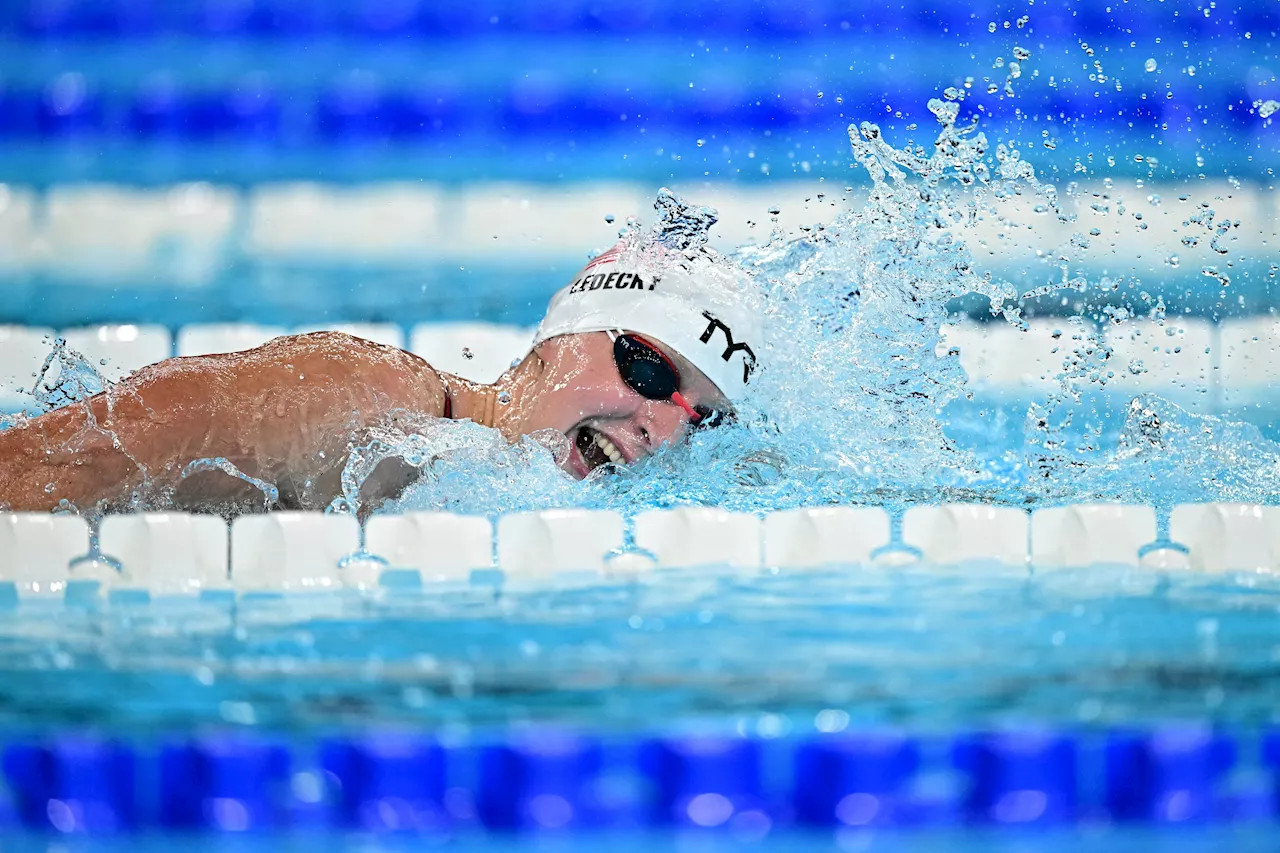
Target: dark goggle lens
(644, 369)
(648, 372)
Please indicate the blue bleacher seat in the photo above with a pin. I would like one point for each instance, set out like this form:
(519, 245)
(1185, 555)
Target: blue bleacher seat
(1235, 109)
(291, 18)
(352, 108)
(790, 20)
(567, 16)
(602, 106)
(63, 18)
(713, 17)
(158, 108)
(69, 106)
(383, 17)
(637, 16)
(217, 17)
(17, 111)
(945, 18)
(538, 101)
(458, 18)
(720, 100)
(1257, 17)
(248, 110)
(425, 108)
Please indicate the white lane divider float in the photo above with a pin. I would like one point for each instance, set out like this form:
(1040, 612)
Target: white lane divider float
(1226, 537)
(178, 554)
(700, 536)
(439, 546)
(291, 551)
(541, 544)
(1090, 535)
(37, 549)
(955, 534)
(824, 536)
(168, 553)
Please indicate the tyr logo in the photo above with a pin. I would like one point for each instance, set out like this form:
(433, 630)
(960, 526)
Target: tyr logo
(749, 357)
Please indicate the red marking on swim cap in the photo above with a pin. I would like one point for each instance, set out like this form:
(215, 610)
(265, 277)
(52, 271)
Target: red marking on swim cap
(604, 257)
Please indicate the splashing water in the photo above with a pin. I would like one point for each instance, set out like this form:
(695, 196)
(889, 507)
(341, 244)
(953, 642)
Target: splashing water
(66, 377)
(270, 494)
(851, 406)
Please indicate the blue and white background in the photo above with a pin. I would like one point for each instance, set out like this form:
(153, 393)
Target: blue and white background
(191, 176)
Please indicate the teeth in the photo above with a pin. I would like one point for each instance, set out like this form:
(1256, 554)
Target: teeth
(609, 450)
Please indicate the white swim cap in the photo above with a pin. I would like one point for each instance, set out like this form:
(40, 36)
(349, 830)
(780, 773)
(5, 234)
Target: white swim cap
(702, 311)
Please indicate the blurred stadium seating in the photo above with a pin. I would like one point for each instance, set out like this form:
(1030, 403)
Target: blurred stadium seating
(307, 162)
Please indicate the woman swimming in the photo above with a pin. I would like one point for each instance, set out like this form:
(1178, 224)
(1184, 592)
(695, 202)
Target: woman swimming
(630, 355)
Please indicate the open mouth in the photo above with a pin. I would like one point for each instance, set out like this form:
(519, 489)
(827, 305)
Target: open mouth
(597, 450)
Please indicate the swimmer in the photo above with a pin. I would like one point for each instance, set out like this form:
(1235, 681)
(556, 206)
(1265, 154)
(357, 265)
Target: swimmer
(625, 361)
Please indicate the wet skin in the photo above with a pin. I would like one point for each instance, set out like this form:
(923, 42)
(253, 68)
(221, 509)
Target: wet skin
(289, 412)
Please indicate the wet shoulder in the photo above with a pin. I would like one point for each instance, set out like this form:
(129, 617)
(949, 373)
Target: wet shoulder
(402, 379)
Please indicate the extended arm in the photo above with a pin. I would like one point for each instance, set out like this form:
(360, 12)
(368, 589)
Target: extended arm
(284, 413)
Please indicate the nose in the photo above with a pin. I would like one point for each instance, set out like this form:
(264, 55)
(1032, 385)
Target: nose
(661, 421)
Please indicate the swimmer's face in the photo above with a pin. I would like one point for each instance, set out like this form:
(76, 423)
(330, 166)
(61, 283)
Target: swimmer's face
(582, 395)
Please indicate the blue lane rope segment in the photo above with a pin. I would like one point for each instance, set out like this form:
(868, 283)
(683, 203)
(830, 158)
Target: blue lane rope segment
(555, 780)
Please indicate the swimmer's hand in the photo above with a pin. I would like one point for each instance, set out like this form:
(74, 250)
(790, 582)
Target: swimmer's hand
(285, 413)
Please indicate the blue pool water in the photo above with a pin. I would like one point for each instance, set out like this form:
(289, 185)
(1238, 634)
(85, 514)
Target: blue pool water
(1047, 208)
(932, 651)
(932, 656)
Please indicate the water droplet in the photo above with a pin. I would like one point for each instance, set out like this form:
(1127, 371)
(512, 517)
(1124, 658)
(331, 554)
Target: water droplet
(775, 210)
(819, 96)
(48, 488)
(1021, 53)
(991, 27)
(1172, 260)
(701, 142)
(1150, 65)
(467, 353)
(839, 99)
(608, 217)
(504, 397)
(1268, 108)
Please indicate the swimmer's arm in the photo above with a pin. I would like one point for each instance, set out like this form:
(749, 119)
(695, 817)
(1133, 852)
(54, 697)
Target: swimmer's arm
(283, 412)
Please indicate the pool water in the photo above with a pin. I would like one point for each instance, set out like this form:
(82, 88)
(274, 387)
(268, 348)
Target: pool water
(929, 650)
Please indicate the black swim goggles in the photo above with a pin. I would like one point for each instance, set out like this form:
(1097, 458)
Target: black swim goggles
(650, 373)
